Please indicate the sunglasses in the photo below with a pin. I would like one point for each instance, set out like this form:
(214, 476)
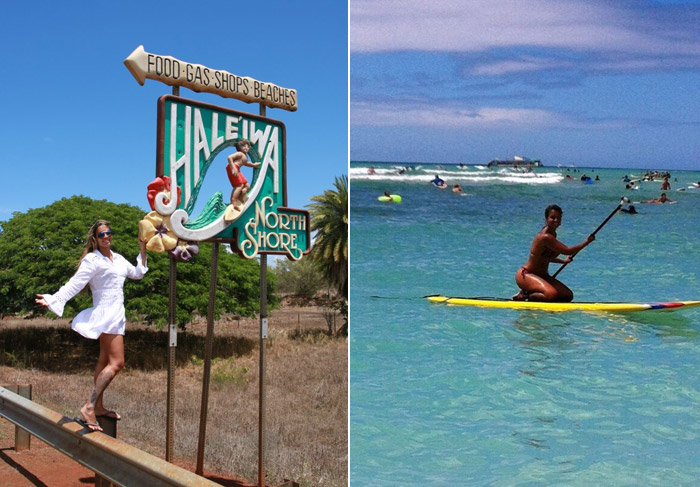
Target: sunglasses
(104, 234)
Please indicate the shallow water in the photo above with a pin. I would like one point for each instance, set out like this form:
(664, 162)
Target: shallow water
(444, 395)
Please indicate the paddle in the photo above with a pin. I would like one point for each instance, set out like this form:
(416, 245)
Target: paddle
(622, 202)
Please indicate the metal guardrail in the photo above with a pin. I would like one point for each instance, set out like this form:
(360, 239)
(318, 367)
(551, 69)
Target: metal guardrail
(111, 458)
(23, 440)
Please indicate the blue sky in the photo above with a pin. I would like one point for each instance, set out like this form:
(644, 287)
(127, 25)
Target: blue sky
(593, 82)
(75, 121)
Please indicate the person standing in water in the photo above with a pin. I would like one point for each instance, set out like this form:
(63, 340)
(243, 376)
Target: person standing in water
(533, 278)
(105, 272)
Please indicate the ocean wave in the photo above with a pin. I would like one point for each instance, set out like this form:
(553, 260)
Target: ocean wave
(471, 174)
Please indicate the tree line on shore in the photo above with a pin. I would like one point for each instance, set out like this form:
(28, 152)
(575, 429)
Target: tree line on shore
(40, 250)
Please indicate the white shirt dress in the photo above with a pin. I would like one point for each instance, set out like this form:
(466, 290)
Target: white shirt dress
(106, 279)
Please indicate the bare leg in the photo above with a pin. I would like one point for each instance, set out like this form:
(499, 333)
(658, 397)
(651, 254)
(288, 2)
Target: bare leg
(102, 362)
(520, 281)
(112, 355)
(244, 192)
(549, 289)
(537, 288)
(564, 294)
(236, 198)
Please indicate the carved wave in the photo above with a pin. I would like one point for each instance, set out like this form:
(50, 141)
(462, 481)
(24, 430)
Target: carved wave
(212, 211)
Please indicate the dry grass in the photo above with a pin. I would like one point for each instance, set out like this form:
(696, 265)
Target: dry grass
(305, 394)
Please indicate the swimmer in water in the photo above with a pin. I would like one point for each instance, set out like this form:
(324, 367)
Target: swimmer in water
(439, 182)
(661, 199)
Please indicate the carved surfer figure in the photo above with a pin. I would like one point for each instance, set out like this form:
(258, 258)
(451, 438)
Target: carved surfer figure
(235, 176)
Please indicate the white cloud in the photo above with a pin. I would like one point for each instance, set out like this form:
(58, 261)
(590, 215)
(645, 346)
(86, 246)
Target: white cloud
(523, 65)
(446, 117)
(387, 114)
(480, 25)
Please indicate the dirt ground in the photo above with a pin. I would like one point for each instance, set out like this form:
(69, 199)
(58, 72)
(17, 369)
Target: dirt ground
(43, 466)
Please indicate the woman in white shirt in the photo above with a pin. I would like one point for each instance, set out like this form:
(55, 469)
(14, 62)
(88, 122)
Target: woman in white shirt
(105, 271)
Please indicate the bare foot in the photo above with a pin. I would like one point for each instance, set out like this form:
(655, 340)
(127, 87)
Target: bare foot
(521, 296)
(88, 414)
(107, 413)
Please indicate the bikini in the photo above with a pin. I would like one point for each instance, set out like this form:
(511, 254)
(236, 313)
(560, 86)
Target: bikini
(546, 253)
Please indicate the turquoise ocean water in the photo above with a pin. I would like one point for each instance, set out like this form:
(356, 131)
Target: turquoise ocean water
(484, 397)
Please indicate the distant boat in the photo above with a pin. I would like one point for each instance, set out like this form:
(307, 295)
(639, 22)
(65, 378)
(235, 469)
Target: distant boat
(517, 161)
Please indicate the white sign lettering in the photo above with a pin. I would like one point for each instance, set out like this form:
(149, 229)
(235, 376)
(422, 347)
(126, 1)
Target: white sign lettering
(196, 77)
(234, 127)
(271, 231)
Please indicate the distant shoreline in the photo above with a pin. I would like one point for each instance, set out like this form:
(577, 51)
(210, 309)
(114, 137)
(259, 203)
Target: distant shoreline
(545, 166)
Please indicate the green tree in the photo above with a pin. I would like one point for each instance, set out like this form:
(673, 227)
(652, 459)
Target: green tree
(40, 250)
(329, 219)
(300, 278)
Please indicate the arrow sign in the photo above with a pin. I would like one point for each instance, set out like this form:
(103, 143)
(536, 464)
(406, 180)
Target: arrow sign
(173, 72)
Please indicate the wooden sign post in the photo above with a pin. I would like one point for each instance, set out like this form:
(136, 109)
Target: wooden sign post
(190, 136)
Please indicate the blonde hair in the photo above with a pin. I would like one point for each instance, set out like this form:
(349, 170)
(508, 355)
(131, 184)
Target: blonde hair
(91, 243)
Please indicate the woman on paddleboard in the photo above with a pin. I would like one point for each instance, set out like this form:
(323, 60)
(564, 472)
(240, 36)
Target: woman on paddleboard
(533, 278)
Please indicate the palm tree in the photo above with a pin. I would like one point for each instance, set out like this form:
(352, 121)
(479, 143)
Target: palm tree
(329, 219)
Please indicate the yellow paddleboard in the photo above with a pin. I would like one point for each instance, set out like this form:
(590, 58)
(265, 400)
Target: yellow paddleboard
(561, 307)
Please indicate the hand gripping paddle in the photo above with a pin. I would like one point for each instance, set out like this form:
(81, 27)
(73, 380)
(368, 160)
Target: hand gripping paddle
(622, 202)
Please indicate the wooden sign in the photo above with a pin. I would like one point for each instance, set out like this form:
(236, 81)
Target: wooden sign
(190, 136)
(196, 77)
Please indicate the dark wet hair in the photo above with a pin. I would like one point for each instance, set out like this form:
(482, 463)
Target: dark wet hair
(552, 207)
